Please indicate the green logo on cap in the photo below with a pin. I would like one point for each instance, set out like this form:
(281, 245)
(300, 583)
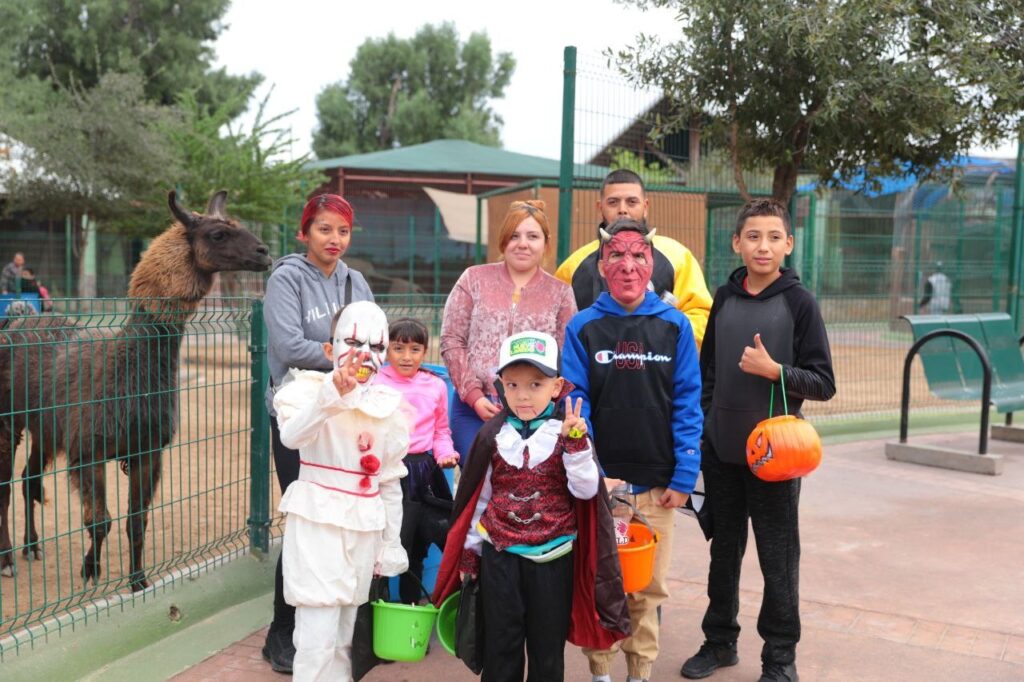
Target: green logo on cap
(528, 345)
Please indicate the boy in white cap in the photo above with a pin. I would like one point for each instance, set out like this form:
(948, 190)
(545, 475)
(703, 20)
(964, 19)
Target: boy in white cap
(527, 524)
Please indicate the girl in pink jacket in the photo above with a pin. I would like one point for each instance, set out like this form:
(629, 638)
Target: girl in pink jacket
(427, 499)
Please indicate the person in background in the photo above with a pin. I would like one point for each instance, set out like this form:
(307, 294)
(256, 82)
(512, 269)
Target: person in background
(938, 291)
(29, 285)
(11, 273)
(491, 301)
(676, 277)
(304, 292)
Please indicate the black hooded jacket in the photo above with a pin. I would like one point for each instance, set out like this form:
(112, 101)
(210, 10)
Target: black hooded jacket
(787, 317)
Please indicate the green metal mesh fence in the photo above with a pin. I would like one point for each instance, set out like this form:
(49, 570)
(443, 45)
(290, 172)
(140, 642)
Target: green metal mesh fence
(101, 405)
(100, 402)
(865, 255)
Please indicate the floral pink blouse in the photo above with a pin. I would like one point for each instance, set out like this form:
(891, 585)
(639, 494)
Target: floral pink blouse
(480, 313)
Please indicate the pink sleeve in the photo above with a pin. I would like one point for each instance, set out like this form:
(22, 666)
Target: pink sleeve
(566, 311)
(443, 445)
(458, 311)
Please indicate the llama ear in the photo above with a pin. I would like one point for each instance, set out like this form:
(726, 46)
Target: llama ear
(216, 205)
(186, 218)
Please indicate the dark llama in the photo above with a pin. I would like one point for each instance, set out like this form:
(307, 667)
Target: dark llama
(97, 395)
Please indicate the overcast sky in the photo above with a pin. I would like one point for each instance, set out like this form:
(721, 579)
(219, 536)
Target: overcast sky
(303, 45)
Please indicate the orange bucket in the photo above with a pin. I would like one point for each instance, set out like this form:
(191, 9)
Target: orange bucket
(637, 557)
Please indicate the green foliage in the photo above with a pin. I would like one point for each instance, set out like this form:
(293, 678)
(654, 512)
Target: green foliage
(102, 151)
(839, 86)
(651, 173)
(250, 164)
(167, 42)
(408, 91)
(115, 104)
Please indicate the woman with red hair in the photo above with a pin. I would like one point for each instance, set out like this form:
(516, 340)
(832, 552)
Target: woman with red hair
(493, 301)
(304, 292)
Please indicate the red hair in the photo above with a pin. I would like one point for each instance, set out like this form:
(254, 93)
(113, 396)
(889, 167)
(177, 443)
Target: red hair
(518, 211)
(325, 202)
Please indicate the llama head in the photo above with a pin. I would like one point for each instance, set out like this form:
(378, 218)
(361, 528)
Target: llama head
(219, 243)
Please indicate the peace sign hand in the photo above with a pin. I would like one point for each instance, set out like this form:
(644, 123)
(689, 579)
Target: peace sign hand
(345, 376)
(574, 426)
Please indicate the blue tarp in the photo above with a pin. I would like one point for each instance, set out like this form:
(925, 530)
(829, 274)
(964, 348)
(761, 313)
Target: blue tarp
(971, 165)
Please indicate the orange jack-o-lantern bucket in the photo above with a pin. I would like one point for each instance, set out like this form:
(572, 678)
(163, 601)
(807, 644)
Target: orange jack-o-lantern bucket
(783, 447)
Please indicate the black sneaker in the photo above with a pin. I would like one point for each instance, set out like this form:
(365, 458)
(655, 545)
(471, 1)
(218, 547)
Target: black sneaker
(708, 659)
(279, 651)
(777, 672)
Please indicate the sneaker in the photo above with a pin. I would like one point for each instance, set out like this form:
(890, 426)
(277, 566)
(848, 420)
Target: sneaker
(777, 672)
(708, 659)
(279, 651)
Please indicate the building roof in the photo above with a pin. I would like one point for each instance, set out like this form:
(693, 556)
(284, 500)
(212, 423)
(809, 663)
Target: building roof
(969, 166)
(456, 156)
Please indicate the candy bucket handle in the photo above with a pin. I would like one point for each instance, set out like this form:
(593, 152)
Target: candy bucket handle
(420, 583)
(637, 514)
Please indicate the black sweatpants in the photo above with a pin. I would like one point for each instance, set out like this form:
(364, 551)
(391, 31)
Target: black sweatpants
(525, 603)
(286, 464)
(736, 495)
(426, 506)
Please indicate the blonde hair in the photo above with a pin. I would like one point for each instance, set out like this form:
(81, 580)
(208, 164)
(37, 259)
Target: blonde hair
(518, 211)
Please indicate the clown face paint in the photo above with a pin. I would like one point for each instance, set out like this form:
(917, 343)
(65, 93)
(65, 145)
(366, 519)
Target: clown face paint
(626, 264)
(362, 328)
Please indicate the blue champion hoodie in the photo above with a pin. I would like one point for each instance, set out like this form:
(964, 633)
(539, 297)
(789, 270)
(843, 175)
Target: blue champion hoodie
(639, 379)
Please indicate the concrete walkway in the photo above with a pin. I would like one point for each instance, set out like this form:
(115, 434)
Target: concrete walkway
(908, 573)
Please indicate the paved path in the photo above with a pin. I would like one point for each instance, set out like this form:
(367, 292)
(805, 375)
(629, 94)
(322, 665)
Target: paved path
(908, 573)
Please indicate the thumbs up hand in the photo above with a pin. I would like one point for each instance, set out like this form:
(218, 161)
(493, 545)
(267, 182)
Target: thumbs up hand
(756, 360)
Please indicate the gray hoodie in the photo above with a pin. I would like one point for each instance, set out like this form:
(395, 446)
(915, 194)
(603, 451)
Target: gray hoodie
(298, 307)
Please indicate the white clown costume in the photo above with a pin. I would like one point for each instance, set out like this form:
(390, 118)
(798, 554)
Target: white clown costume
(345, 509)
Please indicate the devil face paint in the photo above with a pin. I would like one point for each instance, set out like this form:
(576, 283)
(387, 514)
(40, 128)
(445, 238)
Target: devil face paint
(362, 328)
(627, 263)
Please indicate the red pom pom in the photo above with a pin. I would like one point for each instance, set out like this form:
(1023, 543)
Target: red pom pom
(364, 482)
(369, 463)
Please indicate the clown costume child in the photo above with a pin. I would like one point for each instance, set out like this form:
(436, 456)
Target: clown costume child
(345, 509)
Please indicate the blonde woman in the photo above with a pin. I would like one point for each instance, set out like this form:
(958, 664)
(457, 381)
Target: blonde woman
(493, 301)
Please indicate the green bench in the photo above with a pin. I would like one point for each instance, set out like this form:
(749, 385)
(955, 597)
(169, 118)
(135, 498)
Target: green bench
(967, 357)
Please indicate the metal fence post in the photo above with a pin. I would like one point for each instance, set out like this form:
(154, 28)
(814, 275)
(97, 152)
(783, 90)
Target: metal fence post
(259, 452)
(1013, 302)
(565, 174)
(437, 251)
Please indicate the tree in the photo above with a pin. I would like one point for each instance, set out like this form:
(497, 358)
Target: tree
(102, 152)
(407, 91)
(250, 163)
(839, 87)
(167, 42)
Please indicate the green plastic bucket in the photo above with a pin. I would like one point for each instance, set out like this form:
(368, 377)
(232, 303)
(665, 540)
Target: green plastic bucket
(446, 622)
(401, 632)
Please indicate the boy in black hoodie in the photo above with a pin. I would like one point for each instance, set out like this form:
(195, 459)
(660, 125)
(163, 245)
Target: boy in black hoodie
(763, 322)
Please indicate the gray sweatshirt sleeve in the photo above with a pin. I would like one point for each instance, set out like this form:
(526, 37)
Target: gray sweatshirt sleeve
(287, 343)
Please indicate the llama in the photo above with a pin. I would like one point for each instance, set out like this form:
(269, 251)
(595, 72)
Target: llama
(98, 396)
